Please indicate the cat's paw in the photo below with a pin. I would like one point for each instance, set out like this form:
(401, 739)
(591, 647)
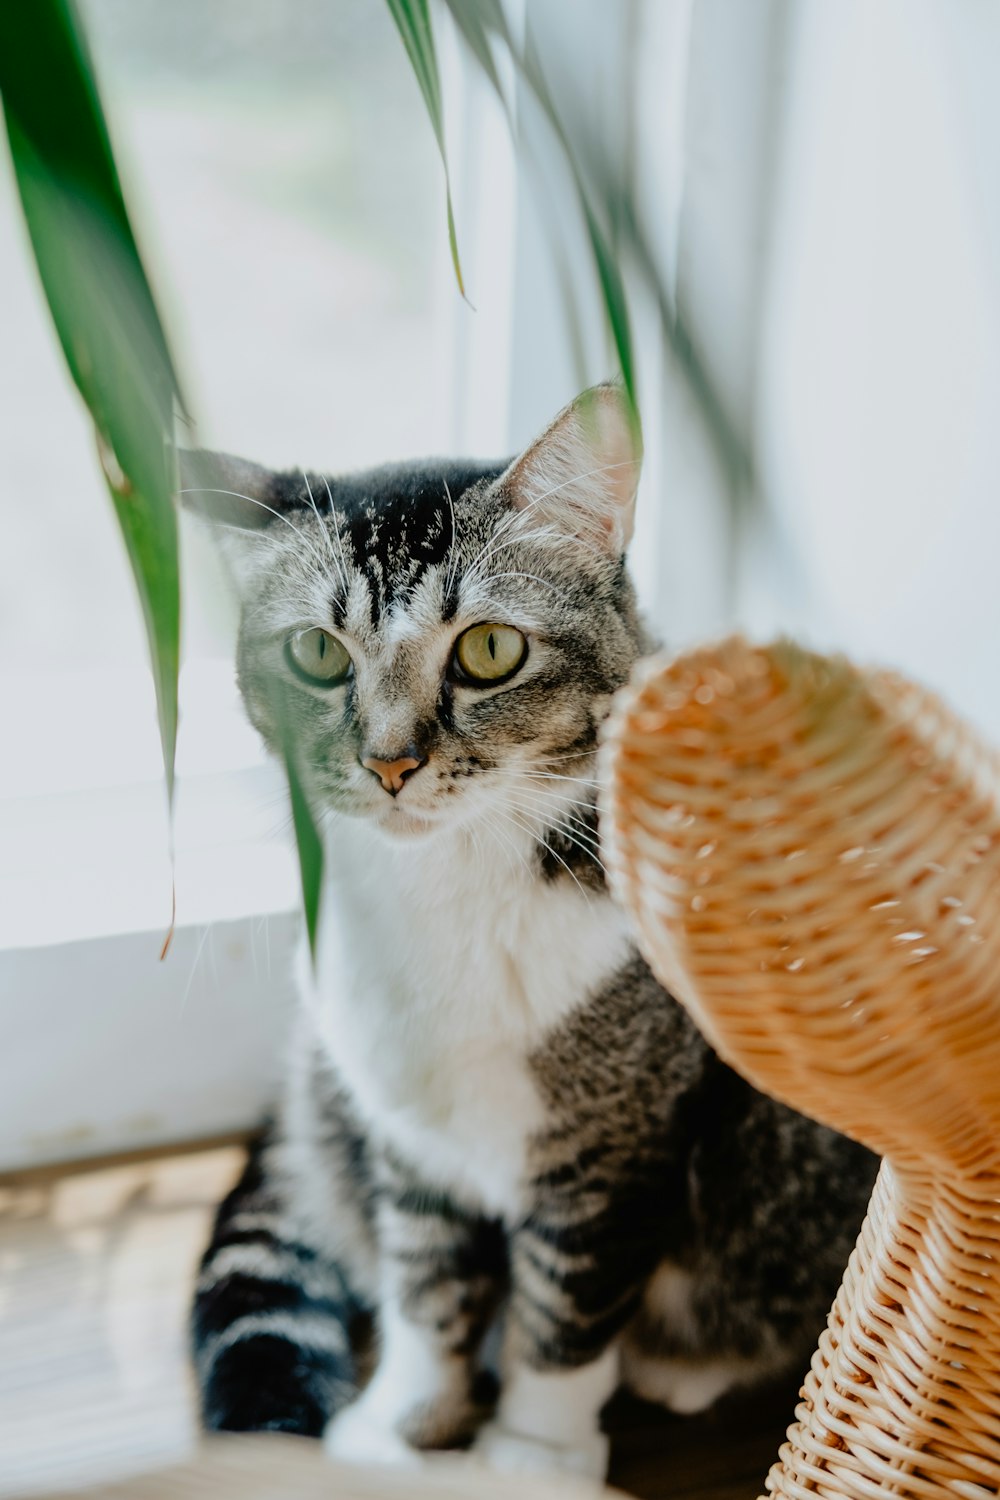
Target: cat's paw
(512, 1452)
(358, 1435)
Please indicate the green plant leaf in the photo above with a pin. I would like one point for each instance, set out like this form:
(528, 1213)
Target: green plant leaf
(307, 838)
(606, 204)
(101, 304)
(478, 22)
(106, 319)
(413, 22)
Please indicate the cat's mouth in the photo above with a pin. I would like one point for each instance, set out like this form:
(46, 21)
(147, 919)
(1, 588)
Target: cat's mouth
(402, 822)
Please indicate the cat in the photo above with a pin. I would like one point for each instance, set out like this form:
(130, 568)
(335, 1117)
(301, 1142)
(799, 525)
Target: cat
(497, 1125)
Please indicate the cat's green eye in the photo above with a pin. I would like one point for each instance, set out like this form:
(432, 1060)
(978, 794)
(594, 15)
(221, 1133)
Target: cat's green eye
(318, 655)
(488, 653)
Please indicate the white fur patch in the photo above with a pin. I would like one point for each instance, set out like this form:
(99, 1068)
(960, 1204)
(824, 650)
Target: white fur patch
(682, 1385)
(548, 1420)
(510, 1453)
(442, 967)
(356, 1436)
(410, 1372)
(668, 1299)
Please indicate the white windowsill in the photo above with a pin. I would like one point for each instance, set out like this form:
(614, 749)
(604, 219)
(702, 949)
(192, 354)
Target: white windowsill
(84, 834)
(106, 1047)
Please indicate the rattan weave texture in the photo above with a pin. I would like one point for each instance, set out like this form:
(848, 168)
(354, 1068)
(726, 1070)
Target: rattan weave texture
(811, 855)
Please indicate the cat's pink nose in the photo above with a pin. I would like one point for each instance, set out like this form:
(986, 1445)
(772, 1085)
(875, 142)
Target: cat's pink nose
(392, 773)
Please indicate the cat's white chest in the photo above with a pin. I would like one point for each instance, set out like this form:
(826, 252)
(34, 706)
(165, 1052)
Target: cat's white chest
(440, 974)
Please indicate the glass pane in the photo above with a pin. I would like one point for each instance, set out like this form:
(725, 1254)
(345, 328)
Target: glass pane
(290, 206)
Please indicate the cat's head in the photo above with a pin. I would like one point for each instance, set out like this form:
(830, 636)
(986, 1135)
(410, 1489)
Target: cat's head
(437, 639)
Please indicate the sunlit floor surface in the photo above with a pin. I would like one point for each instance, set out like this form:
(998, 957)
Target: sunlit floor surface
(95, 1274)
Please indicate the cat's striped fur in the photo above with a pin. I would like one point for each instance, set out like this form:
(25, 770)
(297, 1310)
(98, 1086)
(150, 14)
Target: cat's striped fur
(497, 1125)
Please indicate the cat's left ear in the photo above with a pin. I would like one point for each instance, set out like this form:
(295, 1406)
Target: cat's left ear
(230, 491)
(243, 502)
(581, 475)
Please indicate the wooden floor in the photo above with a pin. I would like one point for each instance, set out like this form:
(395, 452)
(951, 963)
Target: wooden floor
(95, 1273)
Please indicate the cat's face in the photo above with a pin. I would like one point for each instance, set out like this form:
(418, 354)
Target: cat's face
(440, 640)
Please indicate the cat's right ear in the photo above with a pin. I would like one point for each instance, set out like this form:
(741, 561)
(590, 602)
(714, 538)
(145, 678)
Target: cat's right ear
(239, 500)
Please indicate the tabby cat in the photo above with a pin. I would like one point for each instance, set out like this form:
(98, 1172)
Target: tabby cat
(499, 1133)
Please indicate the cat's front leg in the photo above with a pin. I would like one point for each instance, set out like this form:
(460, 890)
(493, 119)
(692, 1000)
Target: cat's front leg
(575, 1284)
(442, 1275)
(548, 1420)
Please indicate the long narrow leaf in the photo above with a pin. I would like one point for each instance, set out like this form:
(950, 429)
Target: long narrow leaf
(413, 21)
(308, 841)
(111, 335)
(101, 303)
(609, 276)
(478, 24)
(482, 23)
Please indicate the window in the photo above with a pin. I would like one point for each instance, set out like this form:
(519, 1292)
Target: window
(291, 207)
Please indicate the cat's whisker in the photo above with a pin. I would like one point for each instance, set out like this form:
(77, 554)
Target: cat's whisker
(562, 539)
(552, 758)
(589, 851)
(521, 514)
(497, 541)
(533, 578)
(452, 554)
(625, 463)
(558, 776)
(194, 967)
(561, 794)
(555, 797)
(506, 841)
(206, 490)
(477, 847)
(336, 528)
(508, 812)
(324, 532)
(506, 815)
(586, 850)
(545, 775)
(548, 535)
(573, 832)
(545, 536)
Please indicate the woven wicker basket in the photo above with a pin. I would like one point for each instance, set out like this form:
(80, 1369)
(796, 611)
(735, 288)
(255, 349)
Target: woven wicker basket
(811, 855)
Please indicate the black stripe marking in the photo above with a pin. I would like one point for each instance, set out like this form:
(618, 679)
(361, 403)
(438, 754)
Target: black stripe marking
(238, 1293)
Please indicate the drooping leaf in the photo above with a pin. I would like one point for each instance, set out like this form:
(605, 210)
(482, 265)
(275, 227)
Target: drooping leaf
(609, 276)
(478, 23)
(413, 21)
(307, 838)
(106, 319)
(101, 303)
(606, 205)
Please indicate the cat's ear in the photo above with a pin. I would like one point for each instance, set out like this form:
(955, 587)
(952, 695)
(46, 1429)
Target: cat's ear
(243, 503)
(229, 491)
(581, 475)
